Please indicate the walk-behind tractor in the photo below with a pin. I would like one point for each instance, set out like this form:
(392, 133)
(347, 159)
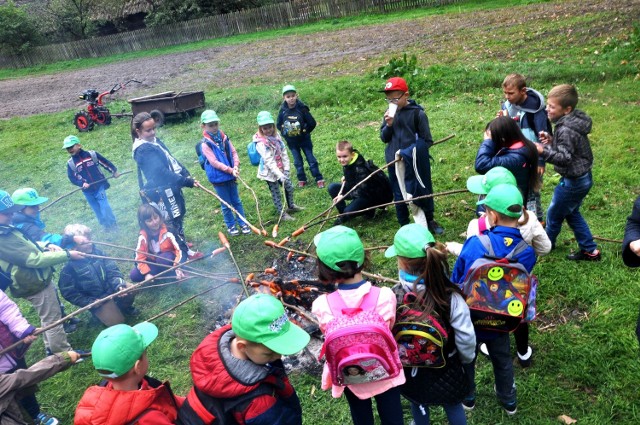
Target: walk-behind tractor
(96, 111)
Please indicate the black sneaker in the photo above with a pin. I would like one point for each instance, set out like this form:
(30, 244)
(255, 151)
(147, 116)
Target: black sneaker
(510, 408)
(469, 403)
(74, 320)
(69, 327)
(585, 256)
(435, 227)
(525, 360)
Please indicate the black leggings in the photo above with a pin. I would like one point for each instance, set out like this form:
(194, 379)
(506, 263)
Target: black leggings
(521, 335)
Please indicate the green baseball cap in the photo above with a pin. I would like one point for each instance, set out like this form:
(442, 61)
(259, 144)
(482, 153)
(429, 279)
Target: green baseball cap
(70, 141)
(261, 318)
(503, 196)
(28, 196)
(264, 118)
(209, 116)
(410, 241)
(117, 348)
(7, 206)
(338, 244)
(482, 184)
(288, 88)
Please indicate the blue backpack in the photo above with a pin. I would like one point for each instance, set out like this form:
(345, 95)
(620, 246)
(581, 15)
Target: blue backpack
(254, 156)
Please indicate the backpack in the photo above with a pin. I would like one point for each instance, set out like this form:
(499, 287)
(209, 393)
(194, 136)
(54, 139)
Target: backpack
(358, 345)
(202, 160)
(254, 156)
(380, 182)
(422, 341)
(72, 164)
(497, 289)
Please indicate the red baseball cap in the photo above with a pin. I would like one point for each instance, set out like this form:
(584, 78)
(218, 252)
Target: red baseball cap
(396, 83)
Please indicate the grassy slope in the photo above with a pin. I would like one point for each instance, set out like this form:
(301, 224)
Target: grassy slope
(586, 354)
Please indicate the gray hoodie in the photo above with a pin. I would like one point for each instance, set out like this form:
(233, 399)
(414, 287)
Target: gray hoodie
(570, 150)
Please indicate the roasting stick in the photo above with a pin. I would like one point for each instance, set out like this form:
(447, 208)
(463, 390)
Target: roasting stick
(255, 197)
(598, 238)
(333, 204)
(78, 189)
(181, 303)
(97, 303)
(274, 232)
(225, 242)
(215, 195)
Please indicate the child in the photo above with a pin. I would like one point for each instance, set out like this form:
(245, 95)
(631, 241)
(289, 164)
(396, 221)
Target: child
(222, 168)
(504, 205)
(526, 107)
(129, 396)
(375, 191)
(504, 145)
(243, 360)
(296, 124)
(85, 281)
(340, 261)
(424, 276)
(83, 171)
(165, 176)
(274, 167)
(157, 245)
(405, 121)
(570, 153)
(631, 245)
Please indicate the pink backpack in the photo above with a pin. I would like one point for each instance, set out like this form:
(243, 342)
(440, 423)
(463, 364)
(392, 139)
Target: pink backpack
(358, 344)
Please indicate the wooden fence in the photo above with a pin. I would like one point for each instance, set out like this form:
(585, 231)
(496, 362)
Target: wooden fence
(275, 16)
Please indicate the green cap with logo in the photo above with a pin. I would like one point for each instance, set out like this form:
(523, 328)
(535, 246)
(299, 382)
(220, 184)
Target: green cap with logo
(117, 348)
(264, 118)
(7, 206)
(209, 116)
(338, 244)
(261, 318)
(482, 184)
(28, 196)
(70, 141)
(288, 88)
(409, 242)
(503, 196)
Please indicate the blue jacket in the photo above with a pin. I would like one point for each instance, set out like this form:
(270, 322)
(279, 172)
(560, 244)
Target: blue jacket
(88, 171)
(408, 122)
(513, 159)
(223, 154)
(295, 124)
(33, 227)
(503, 240)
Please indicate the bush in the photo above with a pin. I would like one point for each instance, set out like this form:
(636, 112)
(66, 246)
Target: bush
(17, 32)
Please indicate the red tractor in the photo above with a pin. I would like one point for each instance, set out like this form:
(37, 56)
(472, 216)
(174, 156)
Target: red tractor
(96, 111)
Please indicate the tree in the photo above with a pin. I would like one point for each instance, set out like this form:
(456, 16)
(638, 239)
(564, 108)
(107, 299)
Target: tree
(17, 31)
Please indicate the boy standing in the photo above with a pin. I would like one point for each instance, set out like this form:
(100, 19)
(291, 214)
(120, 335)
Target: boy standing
(296, 123)
(503, 206)
(570, 153)
(240, 366)
(375, 191)
(129, 396)
(83, 171)
(404, 122)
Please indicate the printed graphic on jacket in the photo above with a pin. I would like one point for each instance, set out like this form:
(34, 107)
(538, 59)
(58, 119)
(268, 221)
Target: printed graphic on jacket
(291, 126)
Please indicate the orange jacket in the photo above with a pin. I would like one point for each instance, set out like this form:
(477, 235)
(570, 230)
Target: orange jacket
(167, 242)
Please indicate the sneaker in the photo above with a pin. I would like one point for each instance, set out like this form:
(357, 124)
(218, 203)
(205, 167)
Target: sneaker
(44, 419)
(233, 231)
(469, 403)
(192, 255)
(525, 360)
(510, 408)
(586, 256)
(84, 353)
(287, 217)
(189, 245)
(69, 327)
(302, 184)
(435, 227)
(321, 184)
(74, 320)
(295, 208)
(245, 230)
(484, 349)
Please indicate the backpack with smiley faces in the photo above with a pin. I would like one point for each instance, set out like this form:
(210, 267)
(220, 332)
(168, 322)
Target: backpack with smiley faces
(500, 291)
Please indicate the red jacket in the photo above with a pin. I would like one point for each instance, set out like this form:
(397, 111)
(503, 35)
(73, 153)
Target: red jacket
(102, 405)
(167, 242)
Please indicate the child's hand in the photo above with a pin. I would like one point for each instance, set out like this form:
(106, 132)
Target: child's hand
(116, 174)
(635, 247)
(76, 255)
(180, 274)
(85, 185)
(53, 248)
(235, 172)
(545, 138)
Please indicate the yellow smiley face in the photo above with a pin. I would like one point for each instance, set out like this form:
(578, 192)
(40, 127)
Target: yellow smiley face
(495, 273)
(515, 308)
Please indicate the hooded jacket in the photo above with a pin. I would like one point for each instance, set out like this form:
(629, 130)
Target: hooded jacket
(13, 327)
(217, 373)
(632, 233)
(221, 158)
(158, 170)
(295, 124)
(530, 115)
(408, 122)
(570, 151)
(377, 188)
(167, 243)
(514, 158)
(87, 171)
(30, 266)
(268, 169)
(33, 228)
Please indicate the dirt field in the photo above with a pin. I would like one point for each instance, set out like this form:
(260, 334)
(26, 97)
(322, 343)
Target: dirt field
(343, 51)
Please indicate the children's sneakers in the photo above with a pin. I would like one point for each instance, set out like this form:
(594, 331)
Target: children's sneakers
(525, 360)
(484, 349)
(302, 184)
(585, 256)
(469, 403)
(294, 208)
(287, 217)
(245, 229)
(321, 184)
(233, 231)
(44, 419)
(510, 408)
(192, 255)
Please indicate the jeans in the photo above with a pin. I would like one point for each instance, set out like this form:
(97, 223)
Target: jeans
(402, 211)
(47, 305)
(296, 149)
(455, 414)
(229, 192)
(565, 205)
(163, 261)
(388, 404)
(100, 205)
(500, 355)
(356, 204)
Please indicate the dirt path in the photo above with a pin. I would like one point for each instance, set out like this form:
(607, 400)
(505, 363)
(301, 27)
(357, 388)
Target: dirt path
(346, 51)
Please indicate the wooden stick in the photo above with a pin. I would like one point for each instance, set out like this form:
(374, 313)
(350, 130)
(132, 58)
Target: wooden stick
(333, 204)
(225, 242)
(376, 248)
(274, 232)
(78, 189)
(215, 195)
(255, 197)
(181, 303)
(598, 238)
(97, 303)
(160, 285)
(300, 312)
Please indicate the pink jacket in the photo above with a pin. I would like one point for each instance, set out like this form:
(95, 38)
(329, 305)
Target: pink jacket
(12, 328)
(352, 298)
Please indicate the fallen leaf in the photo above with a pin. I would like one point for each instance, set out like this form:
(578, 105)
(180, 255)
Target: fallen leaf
(566, 419)
(171, 315)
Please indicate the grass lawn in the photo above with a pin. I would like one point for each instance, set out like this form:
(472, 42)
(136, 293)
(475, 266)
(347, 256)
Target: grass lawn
(586, 354)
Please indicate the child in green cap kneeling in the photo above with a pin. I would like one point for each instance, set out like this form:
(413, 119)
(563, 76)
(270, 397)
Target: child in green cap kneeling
(129, 396)
(238, 368)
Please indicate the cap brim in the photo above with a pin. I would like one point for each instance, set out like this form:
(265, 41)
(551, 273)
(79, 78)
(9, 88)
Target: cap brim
(12, 209)
(290, 342)
(474, 185)
(149, 332)
(390, 252)
(39, 200)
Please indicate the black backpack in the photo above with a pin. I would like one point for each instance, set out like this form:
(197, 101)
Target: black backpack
(380, 182)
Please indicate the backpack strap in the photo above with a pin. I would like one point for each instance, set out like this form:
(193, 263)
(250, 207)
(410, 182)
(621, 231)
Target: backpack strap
(511, 256)
(522, 245)
(368, 302)
(94, 157)
(486, 243)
